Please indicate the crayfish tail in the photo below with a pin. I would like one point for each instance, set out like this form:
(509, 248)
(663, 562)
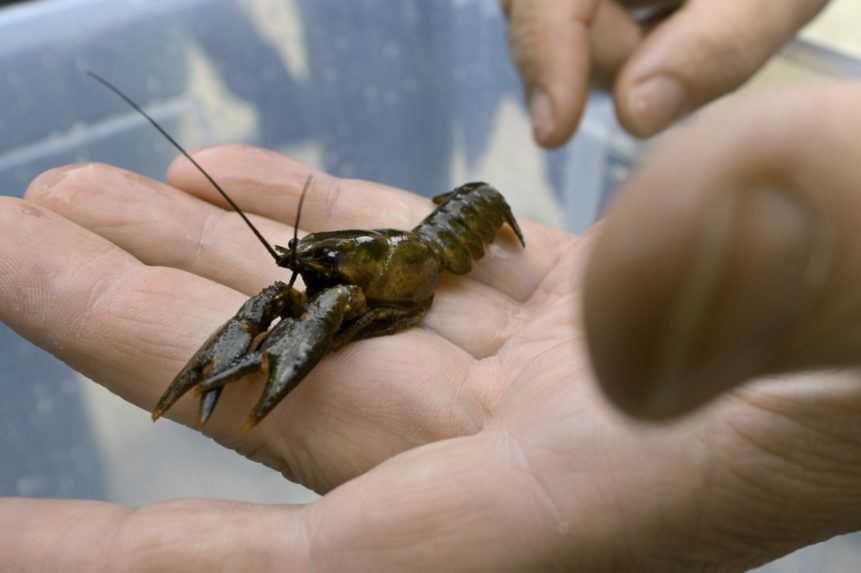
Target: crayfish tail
(512, 222)
(464, 221)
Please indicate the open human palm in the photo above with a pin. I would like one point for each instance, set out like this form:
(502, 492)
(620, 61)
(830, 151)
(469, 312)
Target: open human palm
(477, 441)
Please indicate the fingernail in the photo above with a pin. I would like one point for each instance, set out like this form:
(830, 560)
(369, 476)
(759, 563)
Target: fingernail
(49, 179)
(655, 103)
(541, 113)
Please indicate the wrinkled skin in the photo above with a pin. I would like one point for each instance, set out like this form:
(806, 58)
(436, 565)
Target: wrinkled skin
(657, 70)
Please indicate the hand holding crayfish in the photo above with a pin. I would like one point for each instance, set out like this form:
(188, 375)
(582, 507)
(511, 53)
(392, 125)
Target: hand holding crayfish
(476, 440)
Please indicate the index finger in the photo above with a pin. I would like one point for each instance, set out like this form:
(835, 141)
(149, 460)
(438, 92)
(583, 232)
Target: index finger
(264, 181)
(550, 45)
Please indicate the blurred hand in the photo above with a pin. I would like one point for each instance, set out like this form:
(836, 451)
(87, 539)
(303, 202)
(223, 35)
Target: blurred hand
(661, 71)
(732, 254)
(479, 441)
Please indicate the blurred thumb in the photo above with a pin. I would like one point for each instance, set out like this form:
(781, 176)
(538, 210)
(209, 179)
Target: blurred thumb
(732, 254)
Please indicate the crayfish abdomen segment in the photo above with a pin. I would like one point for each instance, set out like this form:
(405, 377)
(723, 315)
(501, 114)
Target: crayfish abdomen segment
(466, 220)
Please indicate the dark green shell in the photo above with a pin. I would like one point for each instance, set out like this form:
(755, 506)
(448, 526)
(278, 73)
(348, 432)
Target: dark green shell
(466, 220)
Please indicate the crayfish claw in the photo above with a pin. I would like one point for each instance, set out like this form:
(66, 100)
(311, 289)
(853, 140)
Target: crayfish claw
(245, 365)
(207, 405)
(228, 347)
(295, 346)
(187, 379)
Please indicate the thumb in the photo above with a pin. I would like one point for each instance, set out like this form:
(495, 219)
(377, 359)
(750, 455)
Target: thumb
(706, 49)
(732, 254)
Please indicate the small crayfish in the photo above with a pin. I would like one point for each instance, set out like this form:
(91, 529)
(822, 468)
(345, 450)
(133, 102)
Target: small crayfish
(359, 284)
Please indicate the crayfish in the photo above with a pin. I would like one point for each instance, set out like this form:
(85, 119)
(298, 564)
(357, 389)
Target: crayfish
(358, 284)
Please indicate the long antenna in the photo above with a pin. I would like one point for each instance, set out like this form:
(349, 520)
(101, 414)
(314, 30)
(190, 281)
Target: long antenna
(294, 244)
(218, 188)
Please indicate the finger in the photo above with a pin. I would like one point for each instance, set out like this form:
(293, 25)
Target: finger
(269, 184)
(132, 327)
(70, 526)
(96, 536)
(703, 51)
(549, 42)
(732, 254)
(162, 226)
(444, 491)
(99, 309)
(614, 37)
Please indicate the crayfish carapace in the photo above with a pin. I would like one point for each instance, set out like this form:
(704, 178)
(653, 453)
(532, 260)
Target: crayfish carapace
(359, 284)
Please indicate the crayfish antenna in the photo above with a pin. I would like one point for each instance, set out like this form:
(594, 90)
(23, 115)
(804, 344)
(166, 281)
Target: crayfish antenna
(176, 144)
(294, 244)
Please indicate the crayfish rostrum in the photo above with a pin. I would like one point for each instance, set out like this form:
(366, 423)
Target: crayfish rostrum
(359, 284)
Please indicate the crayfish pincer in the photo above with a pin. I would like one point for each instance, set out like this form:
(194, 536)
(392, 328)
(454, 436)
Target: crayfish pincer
(359, 284)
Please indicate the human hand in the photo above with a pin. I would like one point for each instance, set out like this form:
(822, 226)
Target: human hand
(476, 442)
(660, 72)
(732, 255)
(746, 254)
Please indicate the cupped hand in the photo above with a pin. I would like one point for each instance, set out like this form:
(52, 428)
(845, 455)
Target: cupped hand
(476, 442)
(660, 70)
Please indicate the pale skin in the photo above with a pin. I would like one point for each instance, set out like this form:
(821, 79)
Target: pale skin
(480, 441)
(658, 71)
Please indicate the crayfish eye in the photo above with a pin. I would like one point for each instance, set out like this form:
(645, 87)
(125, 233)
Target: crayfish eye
(291, 244)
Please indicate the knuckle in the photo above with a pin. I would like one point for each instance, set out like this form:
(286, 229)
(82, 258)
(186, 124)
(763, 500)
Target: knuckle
(51, 186)
(331, 196)
(208, 231)
(727, 62)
